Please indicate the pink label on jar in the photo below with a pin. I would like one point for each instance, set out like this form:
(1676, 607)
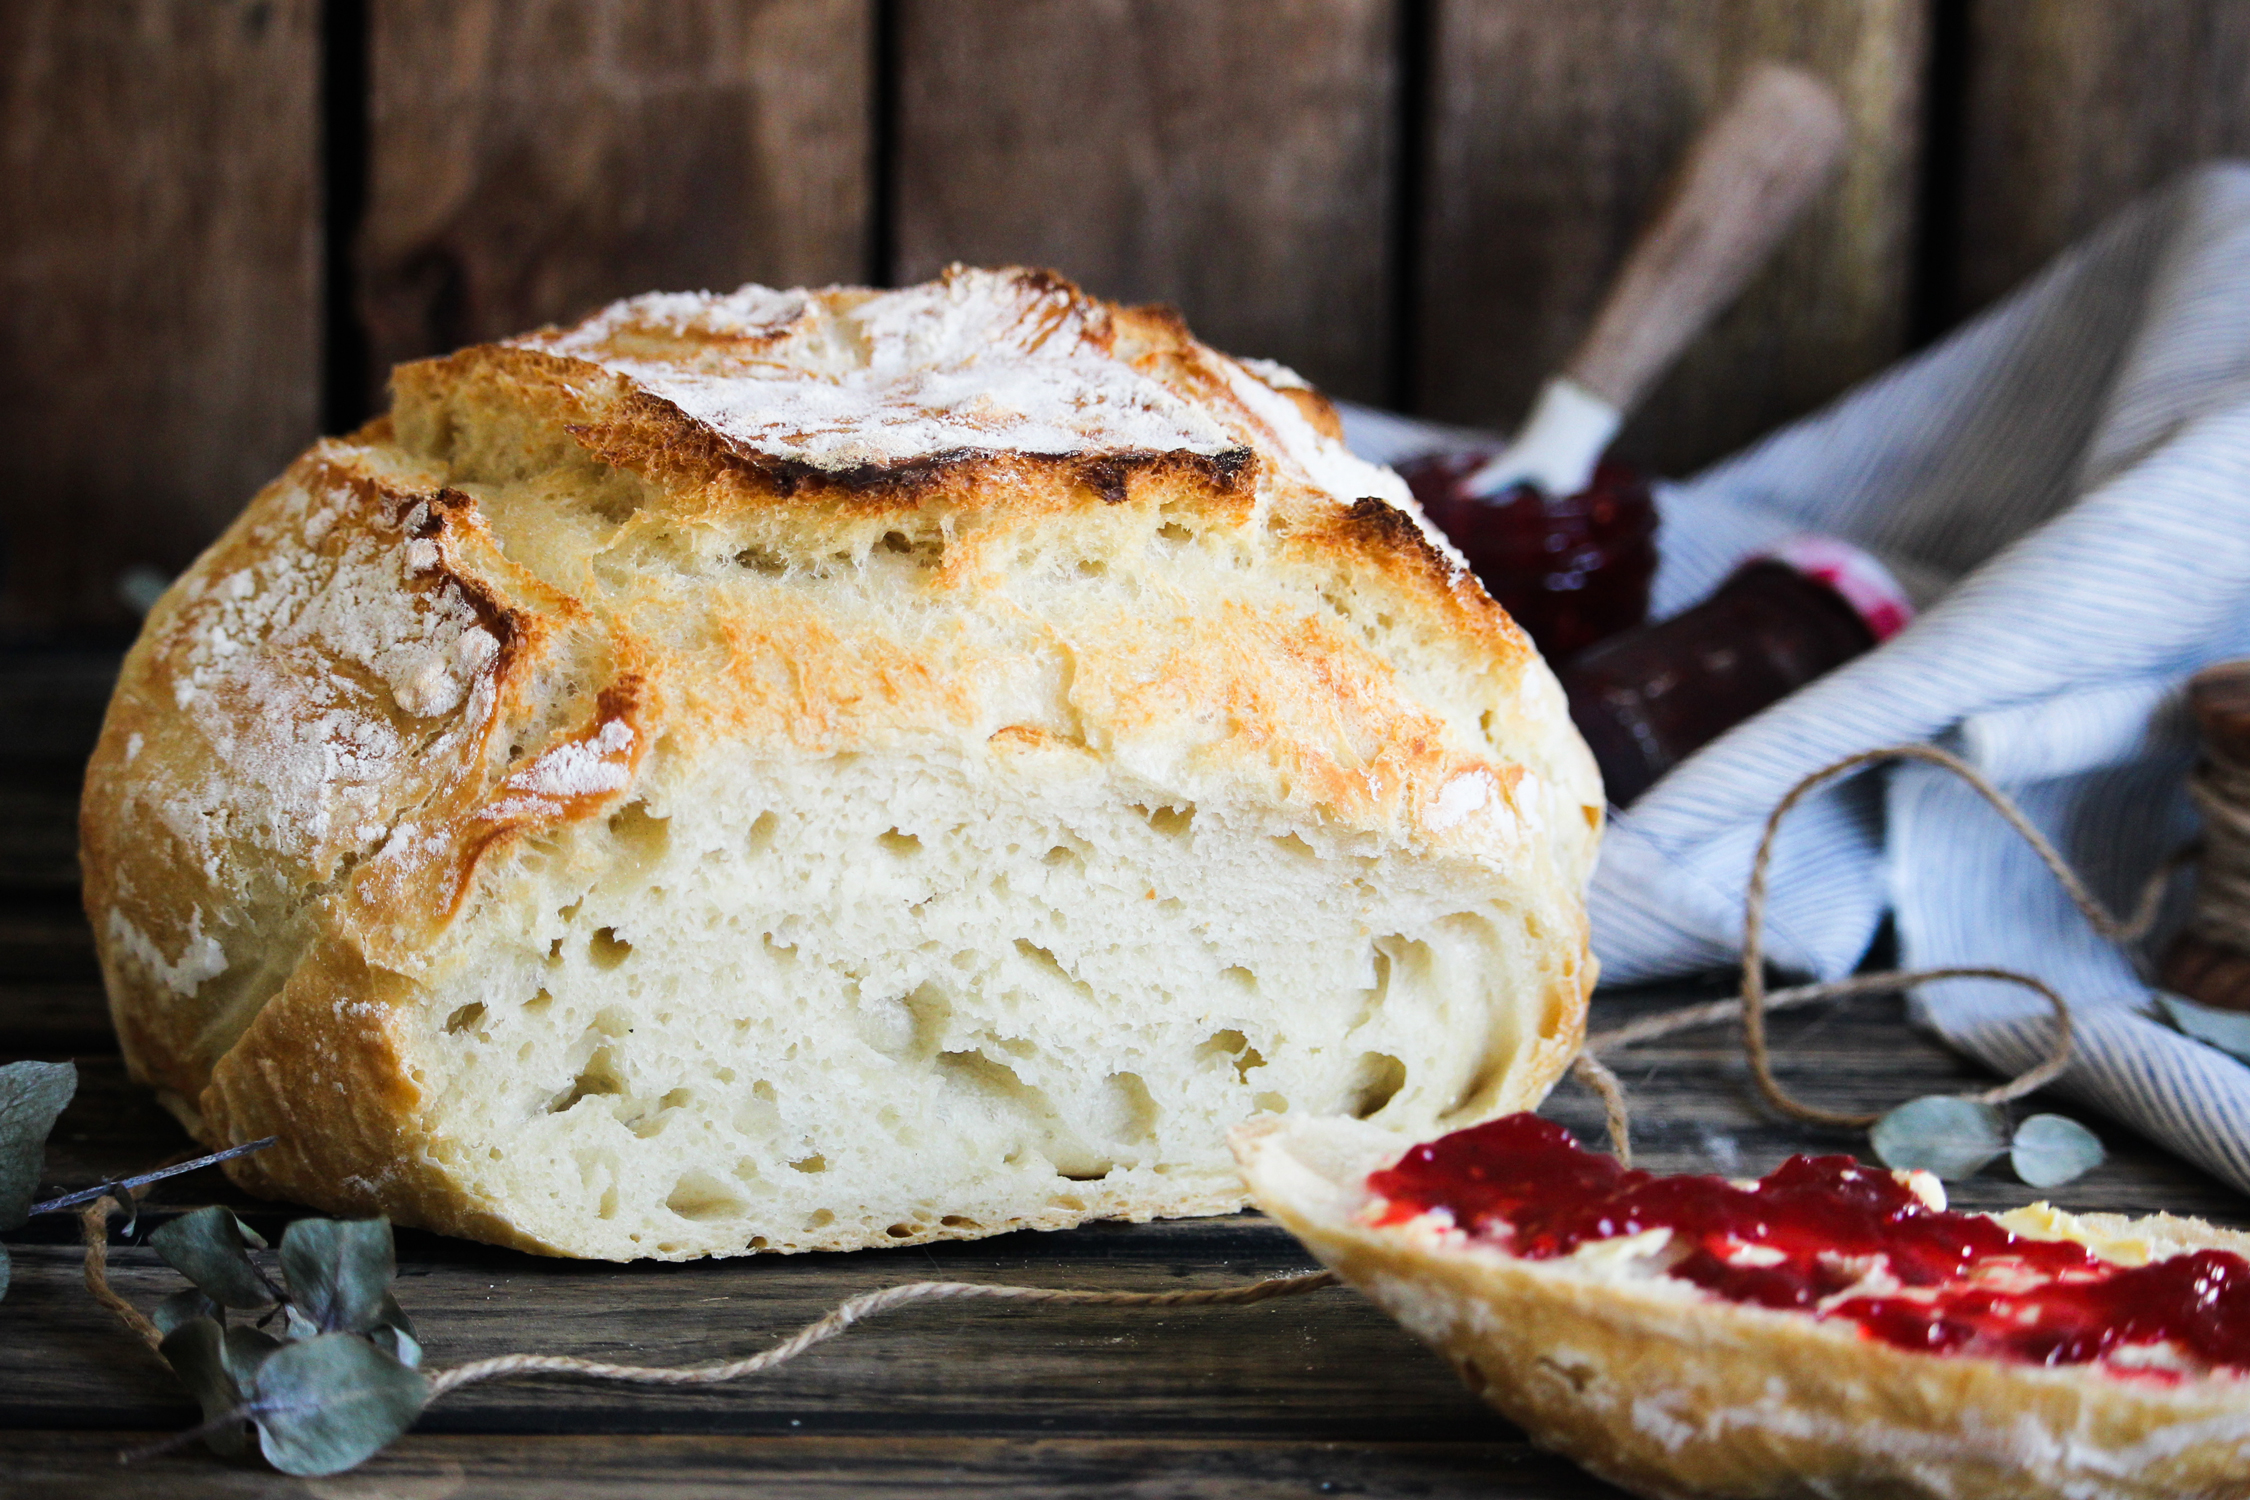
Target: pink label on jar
(1863, 582)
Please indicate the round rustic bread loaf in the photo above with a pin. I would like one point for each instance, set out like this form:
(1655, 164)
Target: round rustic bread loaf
(804, 770)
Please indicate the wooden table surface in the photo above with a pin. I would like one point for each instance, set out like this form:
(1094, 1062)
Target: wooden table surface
(1314, 1395)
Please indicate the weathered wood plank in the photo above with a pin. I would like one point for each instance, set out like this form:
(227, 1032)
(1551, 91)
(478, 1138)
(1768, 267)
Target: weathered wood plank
(159, 285)
(1235, 160)
(1551, 134)
(532, 159)
(79, 1466)
(51, 704)
(2073, 108)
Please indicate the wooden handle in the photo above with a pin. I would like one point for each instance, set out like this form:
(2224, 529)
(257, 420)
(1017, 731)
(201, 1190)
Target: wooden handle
(1744, 182)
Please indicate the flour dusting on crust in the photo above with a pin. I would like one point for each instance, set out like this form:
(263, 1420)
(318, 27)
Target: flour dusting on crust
(977, 361)
(308, 668)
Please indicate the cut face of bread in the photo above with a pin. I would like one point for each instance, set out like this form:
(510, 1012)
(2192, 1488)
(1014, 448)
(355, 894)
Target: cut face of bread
(814, 770)
(1684, 1336)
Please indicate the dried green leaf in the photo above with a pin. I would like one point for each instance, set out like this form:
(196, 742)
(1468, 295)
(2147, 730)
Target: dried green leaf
(327, 1404)
(32, 1094)
(197, 1353)
(339, 1272)
(182, 1308)
(2227, 1030)
(395, 1333)
(210, 1248)
(1942, 1134)
(2050, 1150)
(247, 1349)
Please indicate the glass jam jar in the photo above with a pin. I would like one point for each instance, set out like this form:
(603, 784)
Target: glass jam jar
(1647, 699)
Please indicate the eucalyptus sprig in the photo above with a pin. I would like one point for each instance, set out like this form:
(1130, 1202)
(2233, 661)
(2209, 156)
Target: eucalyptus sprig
(1953, 1137)
(32, 1096)
(339, 1379)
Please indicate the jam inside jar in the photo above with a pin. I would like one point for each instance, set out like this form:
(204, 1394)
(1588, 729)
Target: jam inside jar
(1572, 569)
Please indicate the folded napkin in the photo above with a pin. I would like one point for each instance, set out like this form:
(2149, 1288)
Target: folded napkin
(2069, 477)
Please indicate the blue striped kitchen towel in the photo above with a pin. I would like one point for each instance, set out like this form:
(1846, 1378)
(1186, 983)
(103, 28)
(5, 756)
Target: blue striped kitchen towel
(2068, 478)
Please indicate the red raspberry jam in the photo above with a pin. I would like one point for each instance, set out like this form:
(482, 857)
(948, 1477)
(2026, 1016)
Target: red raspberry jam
(1833, 1238)
(1571, 570)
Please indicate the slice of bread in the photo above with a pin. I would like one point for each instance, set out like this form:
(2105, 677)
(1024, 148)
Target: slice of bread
(1657, 1386)
(807, 770)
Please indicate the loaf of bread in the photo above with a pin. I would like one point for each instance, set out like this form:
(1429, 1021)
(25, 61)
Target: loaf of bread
(1658, 1386)
(805, 770)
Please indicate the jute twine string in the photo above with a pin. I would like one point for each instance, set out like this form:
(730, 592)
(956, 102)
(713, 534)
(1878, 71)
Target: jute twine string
(1753, 1003)
(867, 1305)
(1751, 1007)
(93, 1224)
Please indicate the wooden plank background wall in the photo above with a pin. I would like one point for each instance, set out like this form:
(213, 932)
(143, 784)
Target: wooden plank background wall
(222, 220)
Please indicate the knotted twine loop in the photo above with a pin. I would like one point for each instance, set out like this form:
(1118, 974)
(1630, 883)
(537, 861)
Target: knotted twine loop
(1754, 1001)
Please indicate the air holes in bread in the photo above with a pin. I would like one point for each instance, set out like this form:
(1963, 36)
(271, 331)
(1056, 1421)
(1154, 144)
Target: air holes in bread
(821, 1218)
(1375, 1082)
(904, 845)
(1290, 843)
(926, 551)
(1173, 531)
(762, 561)
(700, 1196)
(1132, 1109)
(607, 949)
(813, 1163)
(1233, 1044)
(640, 837)
(1172, 821)
(1045, 961)
(466, 1018)
(762, 832)
(601, 1076)
(995, 1080)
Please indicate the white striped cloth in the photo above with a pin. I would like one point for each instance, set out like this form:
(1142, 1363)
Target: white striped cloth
(2071, 473)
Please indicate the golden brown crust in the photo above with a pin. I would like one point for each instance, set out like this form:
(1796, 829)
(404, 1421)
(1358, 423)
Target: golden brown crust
(1660, 1389)
(431, 657)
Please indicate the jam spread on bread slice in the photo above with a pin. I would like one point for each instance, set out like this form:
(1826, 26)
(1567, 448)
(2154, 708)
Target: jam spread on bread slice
(1828, 1236)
